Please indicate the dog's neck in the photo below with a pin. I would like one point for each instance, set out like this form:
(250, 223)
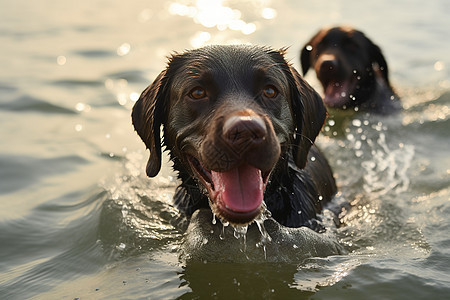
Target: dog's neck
(285, 195)
(383, 100)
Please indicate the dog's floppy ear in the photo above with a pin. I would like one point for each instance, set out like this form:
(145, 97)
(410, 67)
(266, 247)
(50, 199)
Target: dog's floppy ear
(305, 57)
(309, 116)
(148, 115)
(377, 56)
(308, 110)
(305, 53)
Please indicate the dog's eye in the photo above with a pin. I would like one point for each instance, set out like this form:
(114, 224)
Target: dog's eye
(197, 93)
(270, 91)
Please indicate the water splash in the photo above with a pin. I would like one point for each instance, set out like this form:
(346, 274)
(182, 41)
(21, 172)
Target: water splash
(240, 231)
(265, 237)
(387, 170)
(384, 163)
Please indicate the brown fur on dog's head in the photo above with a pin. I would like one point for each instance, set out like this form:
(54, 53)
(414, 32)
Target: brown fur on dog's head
(232, 116)
(160, 98)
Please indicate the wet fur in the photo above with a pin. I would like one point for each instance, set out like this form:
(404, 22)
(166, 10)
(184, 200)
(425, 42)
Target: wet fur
(296, 181)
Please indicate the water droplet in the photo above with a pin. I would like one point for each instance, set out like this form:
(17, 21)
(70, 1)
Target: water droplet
(145, 15)
(240, 231)
(61, 60)
(265, 237)
(266, 213)
(356, 123)
(134, 96)
(270, 13)
(123, 49)
(439, 65)
(124, 211)
(313, 158)
(78, 127)
(248, 28)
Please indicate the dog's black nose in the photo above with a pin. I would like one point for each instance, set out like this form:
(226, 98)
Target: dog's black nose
(329, 66)
(245, 129)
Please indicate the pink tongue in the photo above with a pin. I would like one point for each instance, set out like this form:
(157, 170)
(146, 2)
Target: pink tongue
(241, 189)
(336, 96)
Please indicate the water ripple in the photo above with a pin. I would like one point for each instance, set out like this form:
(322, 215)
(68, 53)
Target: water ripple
(29, 103)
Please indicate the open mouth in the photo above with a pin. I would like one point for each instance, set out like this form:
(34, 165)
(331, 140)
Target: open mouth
(235, 195)
(338, 93)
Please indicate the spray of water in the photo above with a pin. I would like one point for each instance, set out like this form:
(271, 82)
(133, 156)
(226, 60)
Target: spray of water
(240, 231)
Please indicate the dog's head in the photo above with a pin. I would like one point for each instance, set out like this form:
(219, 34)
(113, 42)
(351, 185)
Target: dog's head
(229, 116)
(346, 63)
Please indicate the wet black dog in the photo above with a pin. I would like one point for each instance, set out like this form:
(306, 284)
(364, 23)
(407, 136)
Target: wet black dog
(351, 69)
(239, 124)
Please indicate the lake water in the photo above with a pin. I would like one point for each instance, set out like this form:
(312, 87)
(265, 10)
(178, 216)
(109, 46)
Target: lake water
(79, 219)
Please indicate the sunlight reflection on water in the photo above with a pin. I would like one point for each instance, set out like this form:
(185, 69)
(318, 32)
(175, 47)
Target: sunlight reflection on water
(215, 14)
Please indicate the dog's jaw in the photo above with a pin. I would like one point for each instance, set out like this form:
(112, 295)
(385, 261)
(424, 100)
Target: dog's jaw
(235, 196)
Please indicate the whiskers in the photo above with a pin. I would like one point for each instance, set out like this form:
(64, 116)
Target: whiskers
(295, 135)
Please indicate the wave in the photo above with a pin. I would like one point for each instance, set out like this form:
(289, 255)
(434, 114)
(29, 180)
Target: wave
(28, 103)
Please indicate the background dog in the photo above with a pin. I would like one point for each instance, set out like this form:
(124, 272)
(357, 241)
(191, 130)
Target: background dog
(351, 69)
